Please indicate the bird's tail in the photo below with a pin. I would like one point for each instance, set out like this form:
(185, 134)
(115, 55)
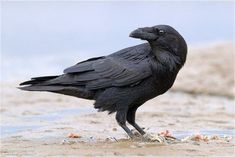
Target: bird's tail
(44, 84)
(37, 84)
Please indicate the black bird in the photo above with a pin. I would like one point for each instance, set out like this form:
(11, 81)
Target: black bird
(124, 80)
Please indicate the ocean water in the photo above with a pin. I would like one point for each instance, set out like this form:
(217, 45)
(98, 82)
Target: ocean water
(43, 38)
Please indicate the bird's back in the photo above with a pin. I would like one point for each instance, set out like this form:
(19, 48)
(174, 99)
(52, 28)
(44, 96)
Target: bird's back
(88, 79)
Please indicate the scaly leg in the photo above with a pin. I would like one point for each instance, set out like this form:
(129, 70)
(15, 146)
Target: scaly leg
(131, 120)
(121, 119)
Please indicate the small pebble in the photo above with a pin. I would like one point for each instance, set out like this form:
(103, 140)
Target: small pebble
(196, 143)
(67, 142)
(74, 135)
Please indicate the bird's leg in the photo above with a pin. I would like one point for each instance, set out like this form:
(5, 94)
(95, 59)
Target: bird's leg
(121, 119)
(138, 128)
(145, 136)
(131, 120)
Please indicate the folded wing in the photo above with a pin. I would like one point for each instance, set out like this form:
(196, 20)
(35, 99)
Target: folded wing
(120, 69)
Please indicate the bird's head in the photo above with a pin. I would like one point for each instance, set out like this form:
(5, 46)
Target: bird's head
(164, 37)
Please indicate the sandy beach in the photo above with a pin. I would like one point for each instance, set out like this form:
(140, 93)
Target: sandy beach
(201, 102)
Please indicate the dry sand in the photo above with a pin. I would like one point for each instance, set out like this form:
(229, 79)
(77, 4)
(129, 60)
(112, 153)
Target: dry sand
(208, 71)
(202, 101)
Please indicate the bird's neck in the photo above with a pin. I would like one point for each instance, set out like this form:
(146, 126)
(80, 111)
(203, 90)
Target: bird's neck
(157, 47)
(166, 59)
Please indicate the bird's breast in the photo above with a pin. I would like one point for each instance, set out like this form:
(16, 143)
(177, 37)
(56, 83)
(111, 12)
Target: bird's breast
(164, 82)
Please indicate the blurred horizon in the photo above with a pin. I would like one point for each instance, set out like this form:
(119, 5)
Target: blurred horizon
(43, 38)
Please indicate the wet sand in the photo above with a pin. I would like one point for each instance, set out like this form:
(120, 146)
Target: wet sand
(37, 123)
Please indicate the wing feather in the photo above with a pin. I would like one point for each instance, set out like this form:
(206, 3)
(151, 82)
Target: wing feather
(122, 68)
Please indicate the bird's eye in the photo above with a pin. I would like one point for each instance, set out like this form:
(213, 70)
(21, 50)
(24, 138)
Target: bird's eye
(161, 32)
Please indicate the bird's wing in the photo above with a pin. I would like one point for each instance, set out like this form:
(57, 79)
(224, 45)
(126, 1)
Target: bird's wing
(126, 67)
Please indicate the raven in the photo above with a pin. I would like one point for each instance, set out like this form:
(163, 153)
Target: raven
(124, 80)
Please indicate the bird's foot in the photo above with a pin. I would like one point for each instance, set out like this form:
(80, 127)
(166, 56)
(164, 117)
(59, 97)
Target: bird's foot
(163, 137)
(135, 133)
(136, 136)
(154, 138)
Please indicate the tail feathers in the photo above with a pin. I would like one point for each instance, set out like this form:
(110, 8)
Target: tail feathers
(72, 91)
(37, 80)
(42, 88)
(43, 84)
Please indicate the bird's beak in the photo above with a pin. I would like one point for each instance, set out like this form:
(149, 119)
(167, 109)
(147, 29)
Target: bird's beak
(145, 33)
